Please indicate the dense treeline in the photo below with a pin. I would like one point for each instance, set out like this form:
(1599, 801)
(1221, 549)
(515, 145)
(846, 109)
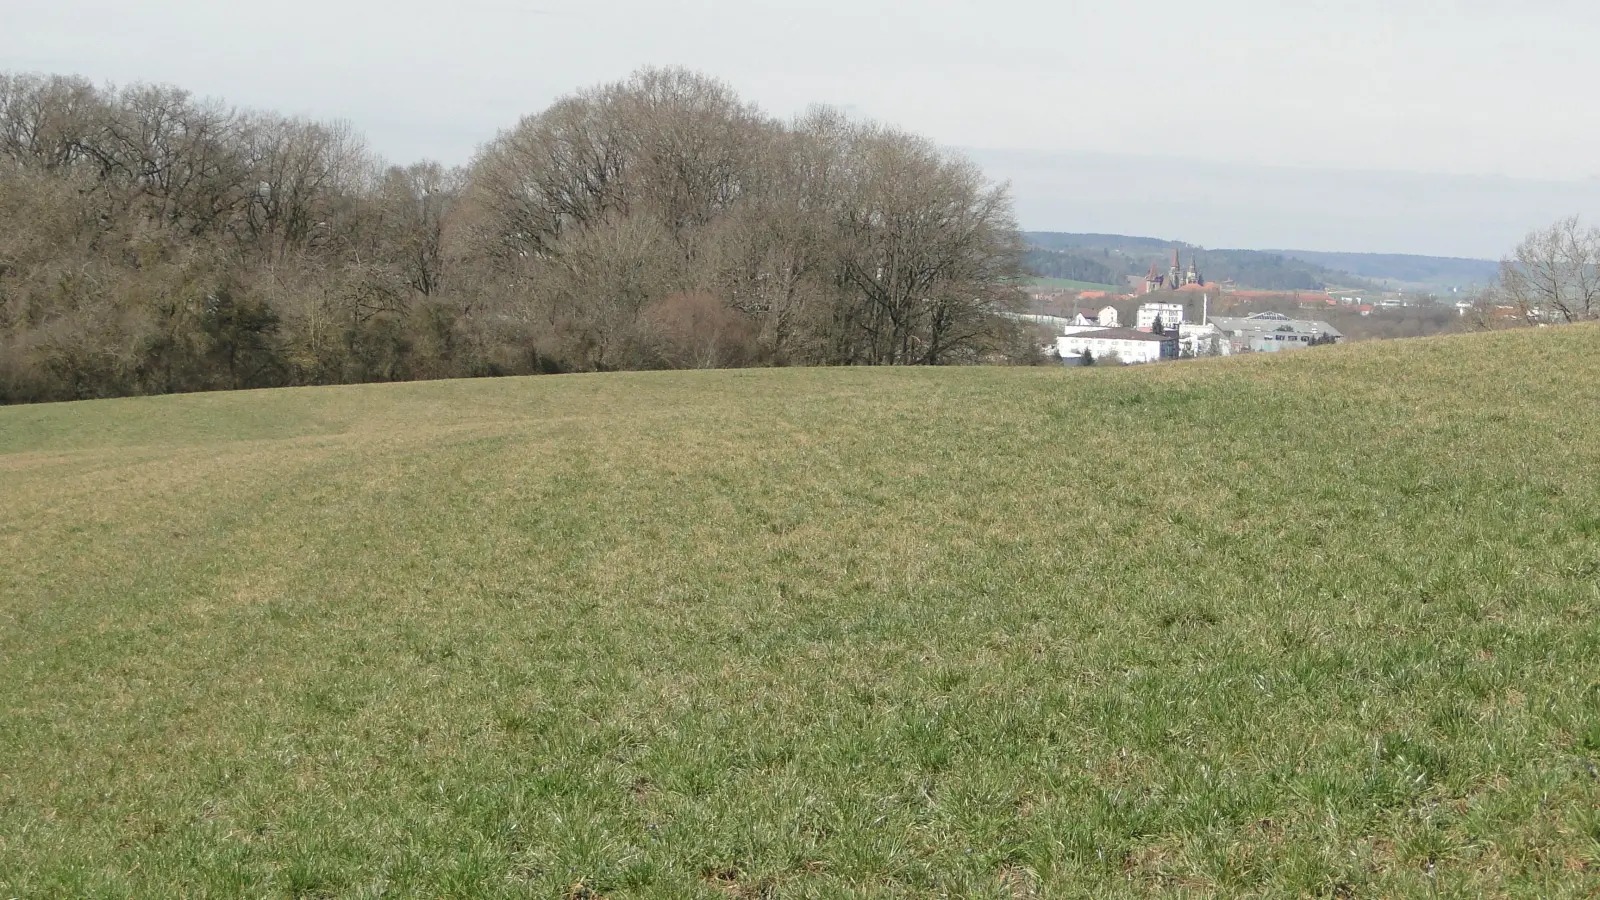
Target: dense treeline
(152, 243)
(1433, 271)
(1072, 266)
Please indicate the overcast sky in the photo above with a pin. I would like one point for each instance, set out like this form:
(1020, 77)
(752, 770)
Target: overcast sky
(1240, 110)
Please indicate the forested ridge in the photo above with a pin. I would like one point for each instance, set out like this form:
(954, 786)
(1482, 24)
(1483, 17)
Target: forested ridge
(153, 243)
(1113, 259)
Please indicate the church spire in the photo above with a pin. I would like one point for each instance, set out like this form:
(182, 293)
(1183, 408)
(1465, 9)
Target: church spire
(1153, 280)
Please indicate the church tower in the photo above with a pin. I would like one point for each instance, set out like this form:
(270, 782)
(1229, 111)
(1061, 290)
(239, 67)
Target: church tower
(1152, 281)
(1172, 276)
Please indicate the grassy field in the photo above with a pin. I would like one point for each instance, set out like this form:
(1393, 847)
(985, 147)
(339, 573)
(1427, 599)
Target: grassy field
(1066, 284)
(1320, 624)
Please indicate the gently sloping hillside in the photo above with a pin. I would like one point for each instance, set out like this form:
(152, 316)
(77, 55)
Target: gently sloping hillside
(1318, 624)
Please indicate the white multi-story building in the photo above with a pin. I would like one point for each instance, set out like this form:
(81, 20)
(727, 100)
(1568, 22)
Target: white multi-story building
(1170, 314)
(1125, 345)
(1106, 318)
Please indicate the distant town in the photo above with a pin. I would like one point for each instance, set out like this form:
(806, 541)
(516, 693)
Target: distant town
(1176, 313)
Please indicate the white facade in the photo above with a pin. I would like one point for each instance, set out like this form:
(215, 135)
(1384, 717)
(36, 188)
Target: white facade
(1128, 347)
(1170, 314)
(1107, 317)
(1203, 340)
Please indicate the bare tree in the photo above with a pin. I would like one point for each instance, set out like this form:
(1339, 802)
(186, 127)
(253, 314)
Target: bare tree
(931, 249)
(694, 143)
(778, 248)
(414, 204)
(46, 121)
(1554, 274)
(175, 155)
(303, 173)
(556, 171)
(597, 287)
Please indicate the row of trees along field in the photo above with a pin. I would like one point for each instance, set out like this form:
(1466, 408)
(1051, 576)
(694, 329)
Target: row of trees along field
(153, 243)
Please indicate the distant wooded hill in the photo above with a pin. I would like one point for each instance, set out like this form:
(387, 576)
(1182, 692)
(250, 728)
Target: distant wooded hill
(1114, 258)
(1435, 272)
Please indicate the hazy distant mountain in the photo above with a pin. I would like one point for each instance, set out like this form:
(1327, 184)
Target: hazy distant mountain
(1246, 205)
(1434, 272)
(1115, 258)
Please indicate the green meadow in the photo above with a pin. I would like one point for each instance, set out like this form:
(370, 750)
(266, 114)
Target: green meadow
(1067, 284)
(1320, 624)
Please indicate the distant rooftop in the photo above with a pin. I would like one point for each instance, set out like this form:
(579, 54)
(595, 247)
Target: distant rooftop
(1269, 322)
(1123, 334)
